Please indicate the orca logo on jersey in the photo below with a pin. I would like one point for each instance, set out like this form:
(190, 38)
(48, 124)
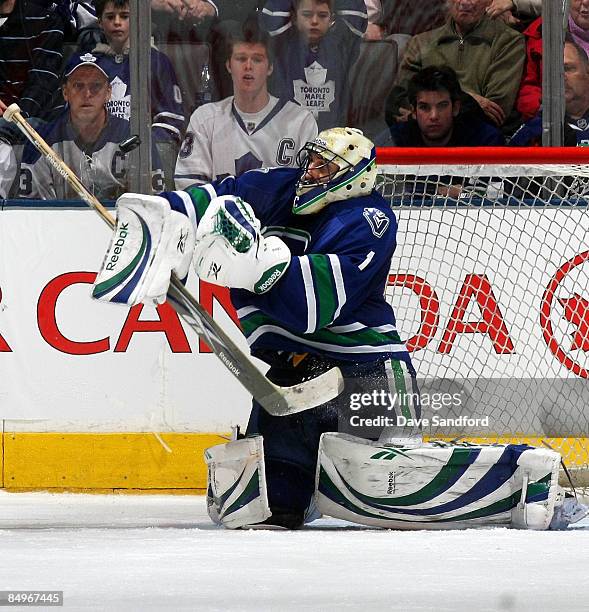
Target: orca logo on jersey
(377, 220)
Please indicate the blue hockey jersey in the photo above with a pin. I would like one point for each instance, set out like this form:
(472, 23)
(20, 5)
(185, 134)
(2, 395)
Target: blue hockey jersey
(576, 132)
(315, 76)
(331, 300)
(167, 112)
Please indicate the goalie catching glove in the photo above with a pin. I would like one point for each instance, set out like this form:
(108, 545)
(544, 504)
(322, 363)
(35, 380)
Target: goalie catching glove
(150, 242)
(231, 252)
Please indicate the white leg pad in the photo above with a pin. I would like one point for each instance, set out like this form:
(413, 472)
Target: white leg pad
(437, 486)
(236, 492)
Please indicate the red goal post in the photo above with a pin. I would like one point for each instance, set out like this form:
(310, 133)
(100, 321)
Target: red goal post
(414, 156)
(490, 285)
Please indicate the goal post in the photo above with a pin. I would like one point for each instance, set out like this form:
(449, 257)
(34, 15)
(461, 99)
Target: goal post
(490, 285)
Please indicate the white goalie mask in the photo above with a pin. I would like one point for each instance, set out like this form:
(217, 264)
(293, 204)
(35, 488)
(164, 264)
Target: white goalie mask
(339, 164)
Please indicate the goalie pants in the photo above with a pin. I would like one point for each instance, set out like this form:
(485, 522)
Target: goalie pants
(291, 442)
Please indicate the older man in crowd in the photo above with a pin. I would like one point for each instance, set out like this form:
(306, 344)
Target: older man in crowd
(487, 55)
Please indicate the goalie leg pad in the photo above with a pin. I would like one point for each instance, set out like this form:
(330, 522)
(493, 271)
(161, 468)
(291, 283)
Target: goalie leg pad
(236, 491)
(437, 486)
(150, 242)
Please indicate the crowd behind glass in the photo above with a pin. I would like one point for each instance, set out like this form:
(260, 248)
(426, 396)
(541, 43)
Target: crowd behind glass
(241, 84)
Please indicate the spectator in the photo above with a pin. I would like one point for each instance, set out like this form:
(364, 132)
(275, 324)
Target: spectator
(251, 129)
(183, 20)
(233, 14)
(167, 113)
(487, 55)
(529, 97)
(576, 93)
(31, 44)
(86, 136)
(579, 23)
(440, 119)
(166, 99)
(510, 11)
(316, 42)
(437, 121)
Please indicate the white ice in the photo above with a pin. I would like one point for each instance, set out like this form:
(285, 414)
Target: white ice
(122, 552)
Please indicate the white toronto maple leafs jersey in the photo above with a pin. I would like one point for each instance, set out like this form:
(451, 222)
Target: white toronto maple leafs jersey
(102, 167)
(223, 141)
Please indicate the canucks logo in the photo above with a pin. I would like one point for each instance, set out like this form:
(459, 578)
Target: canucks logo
(378, 221)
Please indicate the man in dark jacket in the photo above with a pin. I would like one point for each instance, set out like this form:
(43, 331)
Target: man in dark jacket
(442, 115)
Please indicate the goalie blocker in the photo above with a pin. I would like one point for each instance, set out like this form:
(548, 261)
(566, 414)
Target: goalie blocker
(437, 486)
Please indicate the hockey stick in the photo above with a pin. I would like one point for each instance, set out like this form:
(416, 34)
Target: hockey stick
(277, 400)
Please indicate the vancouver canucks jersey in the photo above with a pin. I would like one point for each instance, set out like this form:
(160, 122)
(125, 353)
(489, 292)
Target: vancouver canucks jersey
(222, 141)
(331, 299)
(102, 167)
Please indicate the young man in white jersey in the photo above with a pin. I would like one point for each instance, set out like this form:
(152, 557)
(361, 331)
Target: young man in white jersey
(248, 130)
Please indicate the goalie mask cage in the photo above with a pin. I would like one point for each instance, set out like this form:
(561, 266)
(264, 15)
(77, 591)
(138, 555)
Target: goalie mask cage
(490, 286)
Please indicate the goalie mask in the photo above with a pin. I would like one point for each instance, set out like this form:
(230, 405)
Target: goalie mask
(339, 164)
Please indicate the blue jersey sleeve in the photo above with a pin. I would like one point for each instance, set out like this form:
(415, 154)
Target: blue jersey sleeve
(529, 134)
(269, 192)
(166, 100)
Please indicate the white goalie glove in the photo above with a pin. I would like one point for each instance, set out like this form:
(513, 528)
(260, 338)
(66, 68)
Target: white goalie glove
(150, 242)
(231, 252)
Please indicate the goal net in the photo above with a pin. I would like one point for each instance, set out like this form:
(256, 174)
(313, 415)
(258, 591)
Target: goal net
(490, 286)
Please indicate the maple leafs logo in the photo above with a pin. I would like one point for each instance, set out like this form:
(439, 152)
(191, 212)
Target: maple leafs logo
(576, 311)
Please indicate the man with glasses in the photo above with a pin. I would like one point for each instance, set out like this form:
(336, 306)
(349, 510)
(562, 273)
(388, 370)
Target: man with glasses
(87, 137)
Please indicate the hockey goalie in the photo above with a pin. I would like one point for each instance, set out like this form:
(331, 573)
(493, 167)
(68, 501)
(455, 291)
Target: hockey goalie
(306, 253)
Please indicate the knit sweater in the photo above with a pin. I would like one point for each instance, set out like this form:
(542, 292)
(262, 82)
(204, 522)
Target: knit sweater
(31, 42)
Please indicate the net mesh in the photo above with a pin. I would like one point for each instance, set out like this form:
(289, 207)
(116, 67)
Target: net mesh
(490, 285)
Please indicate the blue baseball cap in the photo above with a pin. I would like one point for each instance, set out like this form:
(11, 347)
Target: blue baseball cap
(86, 59)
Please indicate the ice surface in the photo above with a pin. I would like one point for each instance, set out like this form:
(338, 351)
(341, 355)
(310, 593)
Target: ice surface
(123, 552)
